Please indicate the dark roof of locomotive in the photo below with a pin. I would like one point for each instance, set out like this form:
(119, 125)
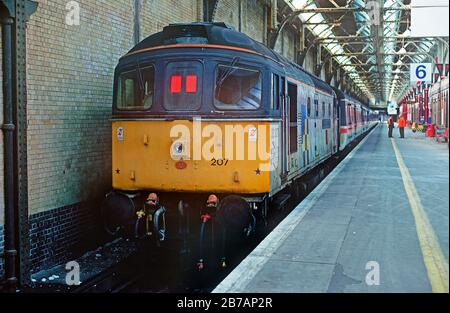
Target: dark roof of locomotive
(203, 33)
(222, 34)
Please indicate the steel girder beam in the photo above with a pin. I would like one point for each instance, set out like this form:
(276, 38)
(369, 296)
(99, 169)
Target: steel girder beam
(371, 76)
(383, 53)
(365, 39)
(338, 24)
(344, 10)
(377, 34)
(273, 35)
(371, 64)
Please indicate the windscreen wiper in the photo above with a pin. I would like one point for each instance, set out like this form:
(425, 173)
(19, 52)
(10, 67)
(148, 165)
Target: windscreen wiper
(141, 80)
(230, 70)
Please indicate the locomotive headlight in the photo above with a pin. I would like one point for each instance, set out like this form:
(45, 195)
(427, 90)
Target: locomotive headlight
(178, 148)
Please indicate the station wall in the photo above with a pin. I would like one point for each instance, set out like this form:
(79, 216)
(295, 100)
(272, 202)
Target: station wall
(155, 14)
(70, 78)
(69, 82)
(249, 17)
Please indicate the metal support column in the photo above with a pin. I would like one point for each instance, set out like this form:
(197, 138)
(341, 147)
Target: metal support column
(137, 22)
(24, 9)
(14, 15)
(8, 137)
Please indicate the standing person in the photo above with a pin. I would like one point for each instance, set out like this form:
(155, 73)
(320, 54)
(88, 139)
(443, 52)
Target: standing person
(401, 126)
(390, 125)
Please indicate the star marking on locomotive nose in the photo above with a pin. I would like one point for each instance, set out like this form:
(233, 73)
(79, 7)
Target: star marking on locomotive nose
(258, 171)
(117, 171)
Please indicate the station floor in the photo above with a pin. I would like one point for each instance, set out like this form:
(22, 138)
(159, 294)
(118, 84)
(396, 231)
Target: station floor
(378, 223)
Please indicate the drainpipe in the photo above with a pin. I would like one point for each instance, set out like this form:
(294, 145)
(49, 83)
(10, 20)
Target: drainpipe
(8, 128)
(137, 22)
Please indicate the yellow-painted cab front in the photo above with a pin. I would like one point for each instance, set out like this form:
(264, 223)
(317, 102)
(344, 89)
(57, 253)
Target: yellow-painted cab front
(191, 156)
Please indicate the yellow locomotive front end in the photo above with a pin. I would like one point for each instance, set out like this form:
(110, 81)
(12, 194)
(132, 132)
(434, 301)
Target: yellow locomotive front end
(206, 156)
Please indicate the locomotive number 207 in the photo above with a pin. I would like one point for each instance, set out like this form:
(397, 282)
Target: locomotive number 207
(219, 162)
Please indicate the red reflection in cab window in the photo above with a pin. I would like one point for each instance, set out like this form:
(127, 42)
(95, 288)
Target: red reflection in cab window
(191, 83)
(175, 84)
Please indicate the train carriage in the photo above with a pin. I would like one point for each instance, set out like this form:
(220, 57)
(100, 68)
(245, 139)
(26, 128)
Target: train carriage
(354, 118)
(439, 103)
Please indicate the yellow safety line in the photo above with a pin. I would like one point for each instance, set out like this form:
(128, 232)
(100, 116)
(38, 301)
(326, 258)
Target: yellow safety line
(435, 262)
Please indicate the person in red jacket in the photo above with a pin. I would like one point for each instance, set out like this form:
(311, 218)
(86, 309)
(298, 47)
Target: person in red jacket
(401, 126)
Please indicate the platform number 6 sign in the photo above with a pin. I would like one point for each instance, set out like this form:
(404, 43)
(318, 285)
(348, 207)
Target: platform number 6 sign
(421, 72)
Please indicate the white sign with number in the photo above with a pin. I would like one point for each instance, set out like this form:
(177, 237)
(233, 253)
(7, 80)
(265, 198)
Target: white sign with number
(392, 108)
(421, 72)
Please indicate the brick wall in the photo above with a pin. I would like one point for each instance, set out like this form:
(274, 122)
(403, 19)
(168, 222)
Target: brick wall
(227, 11)
(253, 23)
(155, 14)
(253, 20)
(309, 63)
(70, 77)
(286, 44)
(61, 234)
(249, 12)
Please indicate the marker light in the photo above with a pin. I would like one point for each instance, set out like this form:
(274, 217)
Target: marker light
(191, 83)
(175, 84)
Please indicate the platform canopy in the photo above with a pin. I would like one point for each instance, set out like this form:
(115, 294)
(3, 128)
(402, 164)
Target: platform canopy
(370, 40)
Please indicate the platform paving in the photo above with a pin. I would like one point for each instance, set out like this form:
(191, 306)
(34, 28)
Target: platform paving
(358, 219)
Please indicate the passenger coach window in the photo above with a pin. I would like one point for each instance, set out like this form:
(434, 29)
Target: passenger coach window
(135, 89)
(237, 88)
(183, 86)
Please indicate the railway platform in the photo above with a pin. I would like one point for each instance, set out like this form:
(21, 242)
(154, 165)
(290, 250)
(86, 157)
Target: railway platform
(378, 223)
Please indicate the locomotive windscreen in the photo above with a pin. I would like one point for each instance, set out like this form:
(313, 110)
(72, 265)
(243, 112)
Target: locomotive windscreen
(237, 88)
(136, 89)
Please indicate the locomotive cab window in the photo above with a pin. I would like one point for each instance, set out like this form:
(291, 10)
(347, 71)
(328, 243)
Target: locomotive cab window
(135, 89)
(183, 86)
(237, 88)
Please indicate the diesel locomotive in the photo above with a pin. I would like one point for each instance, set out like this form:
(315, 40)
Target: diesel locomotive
(209, 125)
